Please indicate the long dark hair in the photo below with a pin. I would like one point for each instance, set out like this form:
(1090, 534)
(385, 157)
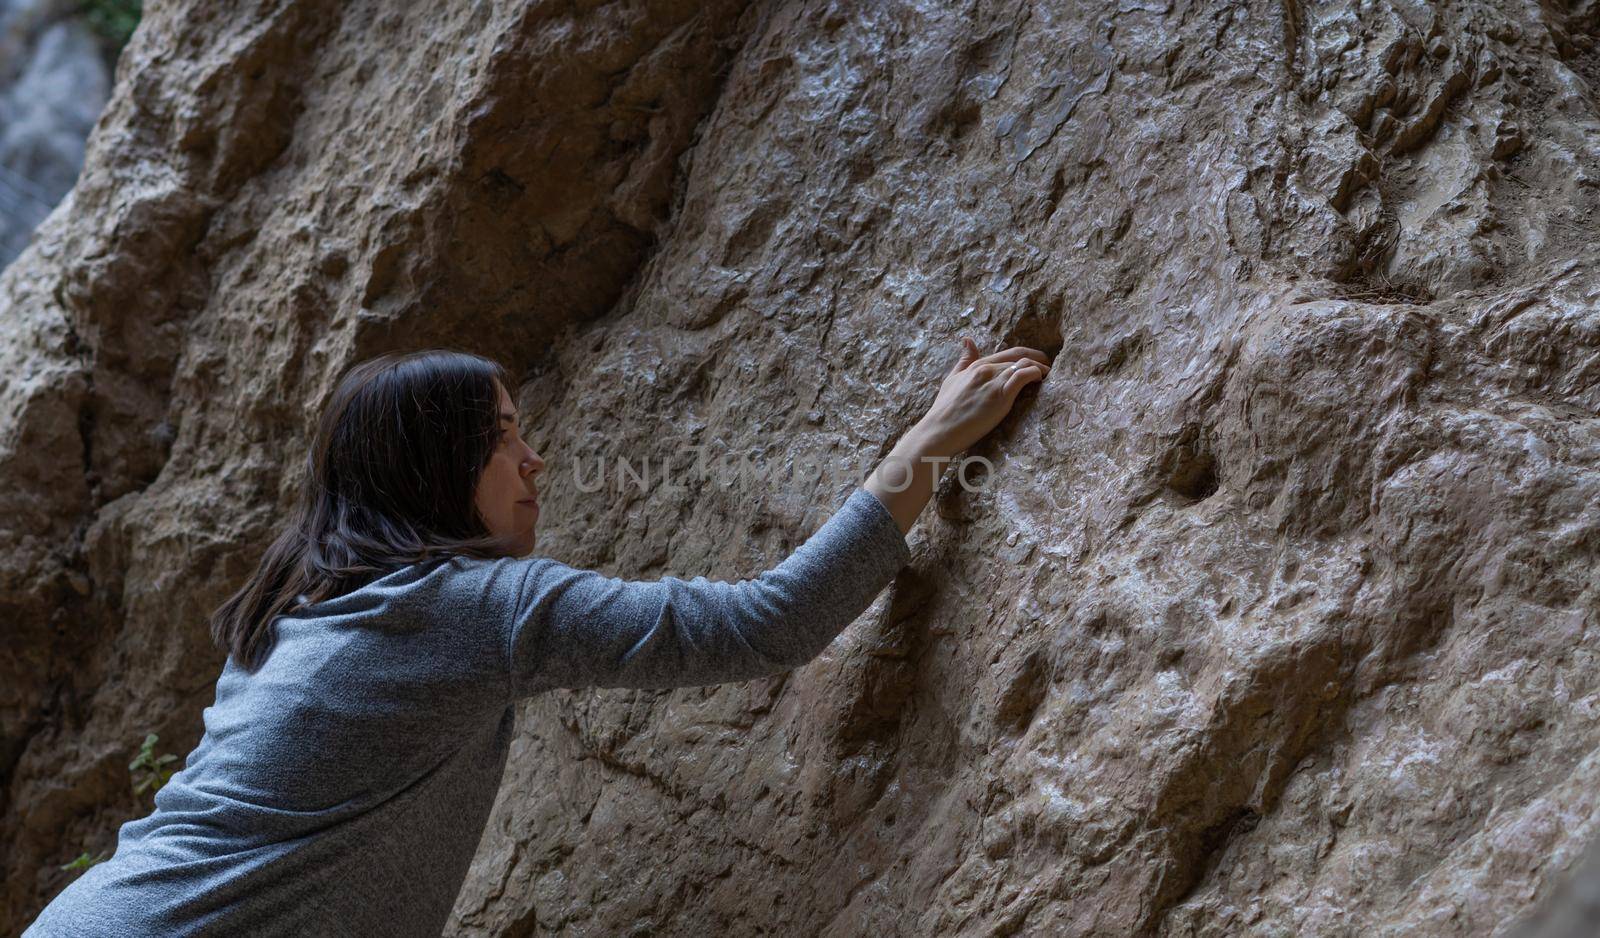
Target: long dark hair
(390, 481)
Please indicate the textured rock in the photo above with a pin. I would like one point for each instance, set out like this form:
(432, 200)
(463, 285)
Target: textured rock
(1276, 615)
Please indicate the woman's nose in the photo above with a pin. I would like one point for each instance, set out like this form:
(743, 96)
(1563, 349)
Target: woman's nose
(532, 462)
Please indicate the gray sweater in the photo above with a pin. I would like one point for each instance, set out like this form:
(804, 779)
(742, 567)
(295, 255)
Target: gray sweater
(342, 788)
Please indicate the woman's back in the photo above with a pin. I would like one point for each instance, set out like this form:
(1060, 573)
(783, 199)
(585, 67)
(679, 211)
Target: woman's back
(353, 771)
(343, 786)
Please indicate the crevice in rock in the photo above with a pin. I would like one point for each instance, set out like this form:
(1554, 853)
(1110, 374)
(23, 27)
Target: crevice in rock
(1124, 352)
(1039, 326)
(887, 675)
(1023, 694)
(1264, 723)
(1190, 468)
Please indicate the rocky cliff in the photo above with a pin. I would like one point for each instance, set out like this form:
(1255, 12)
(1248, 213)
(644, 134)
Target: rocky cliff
(1276, 615)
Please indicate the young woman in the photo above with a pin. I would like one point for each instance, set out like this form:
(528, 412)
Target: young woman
(365, 709)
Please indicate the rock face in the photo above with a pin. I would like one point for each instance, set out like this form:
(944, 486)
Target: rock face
(1276, 615)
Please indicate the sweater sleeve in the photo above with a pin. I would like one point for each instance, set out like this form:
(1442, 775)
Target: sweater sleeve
(577, 628)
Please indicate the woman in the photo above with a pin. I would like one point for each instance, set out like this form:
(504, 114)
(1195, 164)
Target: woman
(364, 713)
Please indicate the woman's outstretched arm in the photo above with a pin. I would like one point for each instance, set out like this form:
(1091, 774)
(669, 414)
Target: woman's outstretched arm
(578, 628)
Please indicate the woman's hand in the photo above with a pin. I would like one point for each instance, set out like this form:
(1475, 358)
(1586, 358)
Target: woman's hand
(978, 393)
(975, 396)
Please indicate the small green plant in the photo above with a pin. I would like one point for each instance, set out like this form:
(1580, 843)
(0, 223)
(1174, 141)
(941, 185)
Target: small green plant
(149, 770)
(84, 861)
(113, 20)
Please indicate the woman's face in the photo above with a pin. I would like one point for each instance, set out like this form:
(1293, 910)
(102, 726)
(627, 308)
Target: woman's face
(506, 497)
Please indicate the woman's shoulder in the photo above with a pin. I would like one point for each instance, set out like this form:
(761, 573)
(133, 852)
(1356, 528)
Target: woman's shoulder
(454, 588)
(498, 580)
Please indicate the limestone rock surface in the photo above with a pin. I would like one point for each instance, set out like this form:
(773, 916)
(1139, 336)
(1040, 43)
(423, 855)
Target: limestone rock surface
(1277, 613)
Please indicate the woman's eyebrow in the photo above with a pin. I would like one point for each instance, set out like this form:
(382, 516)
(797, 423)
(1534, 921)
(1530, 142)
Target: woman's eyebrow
(506, 416)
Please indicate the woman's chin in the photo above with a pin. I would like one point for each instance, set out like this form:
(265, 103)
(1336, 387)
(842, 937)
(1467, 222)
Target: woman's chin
(518, 545)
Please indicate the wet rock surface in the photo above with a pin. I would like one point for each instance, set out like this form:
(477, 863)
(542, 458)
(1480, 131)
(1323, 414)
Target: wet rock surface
(1276, 614)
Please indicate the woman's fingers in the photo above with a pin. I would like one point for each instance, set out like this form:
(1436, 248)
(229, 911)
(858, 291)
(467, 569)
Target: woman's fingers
(976, 395)
(1016, 353)
(970, 357)
(1001, 370)
(1018, 378)
(969, 354)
